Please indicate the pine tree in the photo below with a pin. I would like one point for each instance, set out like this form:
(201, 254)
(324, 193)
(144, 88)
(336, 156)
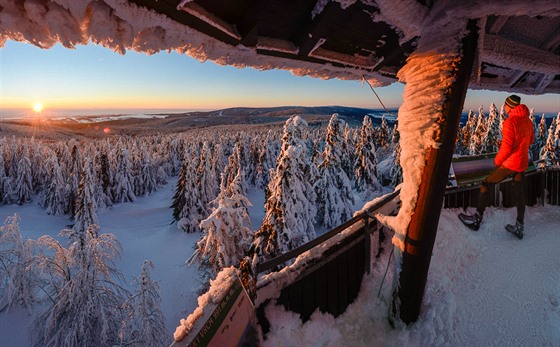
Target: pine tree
(86, 206)
(366, 162)
(383, 139)
(548, 151)
(289, 209)
(18, 277)
(333, 188)
(143, 322)
(83, 290)
(23, 184)
(493, 136)
(540, 135)
(227, 231)
(123, 190)
(477, 138)
(205, 180)
(266, 162)
(55, 199)
(396, 171)
(3, 177)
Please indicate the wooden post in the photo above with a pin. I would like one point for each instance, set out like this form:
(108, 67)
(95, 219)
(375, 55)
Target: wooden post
(422, 230)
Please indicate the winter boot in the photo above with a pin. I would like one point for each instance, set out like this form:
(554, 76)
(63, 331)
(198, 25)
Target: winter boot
(516, 229)
(471, 221)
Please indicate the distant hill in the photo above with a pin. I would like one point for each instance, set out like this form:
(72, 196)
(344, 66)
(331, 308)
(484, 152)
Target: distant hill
(93, 126)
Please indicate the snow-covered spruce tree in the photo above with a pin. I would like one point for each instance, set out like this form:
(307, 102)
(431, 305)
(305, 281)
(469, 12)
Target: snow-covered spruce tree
(55, 198)
(383, 139)
(396, 172)
(227, 231)
(493, 136)
(477, 138)
(3, 177)
(365, 166)
(333, 188)
(266, 162)
(18, 278)
(103, 179)
(348, 151)
(205, 180)
(541, 135)
(23, 182)
(123, 190)
(84, 293)
(289, 208)
(548, 151)
(180, 187)
(465, 134)
(86, 206)
(143, 322)
(75, 170)
(188, 204)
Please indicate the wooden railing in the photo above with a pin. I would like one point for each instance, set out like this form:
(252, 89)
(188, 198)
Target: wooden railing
(329, 280)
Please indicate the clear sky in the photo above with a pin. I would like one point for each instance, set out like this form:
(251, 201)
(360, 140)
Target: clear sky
(94, 77)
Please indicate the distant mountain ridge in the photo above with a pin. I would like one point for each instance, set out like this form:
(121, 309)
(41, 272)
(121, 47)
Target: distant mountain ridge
(72, 127)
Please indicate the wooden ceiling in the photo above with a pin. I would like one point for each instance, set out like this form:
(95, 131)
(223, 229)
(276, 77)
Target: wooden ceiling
(527, 60)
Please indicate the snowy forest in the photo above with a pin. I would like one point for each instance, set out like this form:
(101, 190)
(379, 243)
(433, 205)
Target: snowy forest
(310, 176)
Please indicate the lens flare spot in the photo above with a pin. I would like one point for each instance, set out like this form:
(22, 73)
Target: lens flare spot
(106, 130)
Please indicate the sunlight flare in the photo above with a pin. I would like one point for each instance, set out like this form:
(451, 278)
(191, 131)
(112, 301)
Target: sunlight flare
(37, 107)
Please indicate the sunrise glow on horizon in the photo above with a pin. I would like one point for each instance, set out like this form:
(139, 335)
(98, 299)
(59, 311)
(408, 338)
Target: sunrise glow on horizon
(95, 78)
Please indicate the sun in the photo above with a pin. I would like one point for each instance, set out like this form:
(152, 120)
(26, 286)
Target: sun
(38, 107)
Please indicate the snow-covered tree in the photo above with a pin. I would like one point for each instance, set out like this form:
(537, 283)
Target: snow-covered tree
(55, 199)
(23, 187)
(477, 138)
(143, 322)
(383, 138)
(123, 190)
(18, 277)
(396, 172)
(333, 188)
(493, 136)
(205, 180)
(186, 198)
(86, 206)
(289, 208)
(365, 166)
(3, 177)
(83, 291)
(548, 151)
(541, 135)
(266, 162)
(227, 231)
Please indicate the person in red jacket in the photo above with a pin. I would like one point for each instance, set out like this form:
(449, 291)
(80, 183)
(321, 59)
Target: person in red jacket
(511, 161)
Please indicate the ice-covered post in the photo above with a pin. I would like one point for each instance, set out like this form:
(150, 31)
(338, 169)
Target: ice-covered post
(436, 77)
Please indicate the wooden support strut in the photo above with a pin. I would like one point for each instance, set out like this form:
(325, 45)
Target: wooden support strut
(422, 230)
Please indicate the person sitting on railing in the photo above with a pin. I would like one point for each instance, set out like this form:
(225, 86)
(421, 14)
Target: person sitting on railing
(511, 161)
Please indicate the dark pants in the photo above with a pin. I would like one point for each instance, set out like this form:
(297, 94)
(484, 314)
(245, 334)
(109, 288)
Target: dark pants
(498, 175)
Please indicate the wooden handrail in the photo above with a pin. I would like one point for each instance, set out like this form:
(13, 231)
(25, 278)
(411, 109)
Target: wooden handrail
(274, 262)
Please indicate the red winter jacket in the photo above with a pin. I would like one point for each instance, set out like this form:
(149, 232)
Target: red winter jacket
(517, 135)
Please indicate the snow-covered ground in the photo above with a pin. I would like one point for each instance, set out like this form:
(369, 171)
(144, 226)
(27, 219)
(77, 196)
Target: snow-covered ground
(484, 288)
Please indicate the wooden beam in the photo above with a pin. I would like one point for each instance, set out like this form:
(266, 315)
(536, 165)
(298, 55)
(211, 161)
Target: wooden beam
(169, 8)
(497, 25)
(309, 38)
(422, 230)
(504, 52)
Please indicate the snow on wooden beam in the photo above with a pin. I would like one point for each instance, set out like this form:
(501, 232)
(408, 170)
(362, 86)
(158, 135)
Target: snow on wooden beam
(199, 12)
(504, 52)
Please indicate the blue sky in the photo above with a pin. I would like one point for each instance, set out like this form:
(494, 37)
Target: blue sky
(95, 77)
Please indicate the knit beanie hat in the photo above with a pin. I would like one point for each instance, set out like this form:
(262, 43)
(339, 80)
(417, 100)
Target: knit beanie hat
(513, 100)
